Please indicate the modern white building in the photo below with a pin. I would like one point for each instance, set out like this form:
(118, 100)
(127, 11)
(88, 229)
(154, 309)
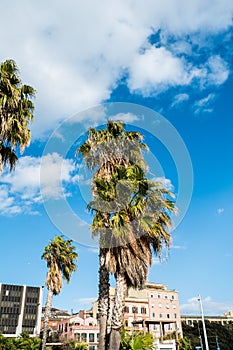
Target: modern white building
(20, 309)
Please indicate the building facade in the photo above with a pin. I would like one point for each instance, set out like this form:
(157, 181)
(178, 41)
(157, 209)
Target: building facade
(20, 309)
(154, 308)
(82, 329)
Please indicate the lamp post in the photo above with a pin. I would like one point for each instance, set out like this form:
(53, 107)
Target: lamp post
(203, 323)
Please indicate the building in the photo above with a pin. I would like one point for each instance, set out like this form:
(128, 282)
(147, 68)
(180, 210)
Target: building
(82, 329)
(56, 316)
(20, 309)
(154, 308)
(224, 319)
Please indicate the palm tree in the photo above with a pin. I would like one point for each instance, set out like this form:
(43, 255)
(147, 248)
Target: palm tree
(131, 217)
(61, 260)
(103, 152)
(134, 232)
(16, 112)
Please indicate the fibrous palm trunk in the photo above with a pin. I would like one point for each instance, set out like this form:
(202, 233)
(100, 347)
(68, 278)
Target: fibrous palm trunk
(46, 317)
(117, 313)
(103, 301)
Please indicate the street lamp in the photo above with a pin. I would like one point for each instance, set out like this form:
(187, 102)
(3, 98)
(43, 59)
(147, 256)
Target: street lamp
(203, 323)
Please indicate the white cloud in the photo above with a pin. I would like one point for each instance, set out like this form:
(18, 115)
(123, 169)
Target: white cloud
(204, 104)
(125, 117)
(75, 53)
(210, 307)
(20, 189)
(220, 211)
(178, 247)
(165, 182)
(86, 301)
(180, 98)
(155, 70)
(219, 71)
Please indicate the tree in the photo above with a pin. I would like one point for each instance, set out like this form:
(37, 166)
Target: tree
(61, 259)
(103, 153)
(131, 216)
(16, 112)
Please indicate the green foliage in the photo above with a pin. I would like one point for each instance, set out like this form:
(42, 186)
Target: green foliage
(184, 344)
(16, 112)
(60, 256)
(23, 342)
(71, 344)
(136, 341)
(223, 334)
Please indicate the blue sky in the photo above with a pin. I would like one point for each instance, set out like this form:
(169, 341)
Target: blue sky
(170, 65)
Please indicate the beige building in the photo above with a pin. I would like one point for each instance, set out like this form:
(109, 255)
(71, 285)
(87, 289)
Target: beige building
(154, 308)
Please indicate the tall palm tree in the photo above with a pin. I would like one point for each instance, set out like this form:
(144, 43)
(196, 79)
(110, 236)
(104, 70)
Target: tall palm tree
(16, 112)
(134, 232)
(103, 151)
(61, 260)
(147, 222)
(131, 216)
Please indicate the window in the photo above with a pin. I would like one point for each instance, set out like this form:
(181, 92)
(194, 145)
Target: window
(167, 306)
(77, 336)
(152, 295)
(153, 314)
(159, 296)
(84, 337)
(143, 310)
(166, 297)
(168, 315)
(126, 309)
(160, 315)
(173, 297)
(174, 306)
(160, 305)
(134, 309)
(91, 337)
(152, 305)
(175, 315)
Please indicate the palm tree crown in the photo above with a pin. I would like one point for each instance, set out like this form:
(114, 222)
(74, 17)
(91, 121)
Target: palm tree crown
(61, 259)
(16, 112)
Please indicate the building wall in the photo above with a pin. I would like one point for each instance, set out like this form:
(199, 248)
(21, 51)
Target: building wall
(20, 309)
(156, 307)
(85, 330)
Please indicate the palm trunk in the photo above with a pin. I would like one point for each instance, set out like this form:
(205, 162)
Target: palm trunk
(46, 317)
(117, 313)
(103, 301)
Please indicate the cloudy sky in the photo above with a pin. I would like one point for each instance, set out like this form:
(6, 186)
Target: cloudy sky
(169, 64)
